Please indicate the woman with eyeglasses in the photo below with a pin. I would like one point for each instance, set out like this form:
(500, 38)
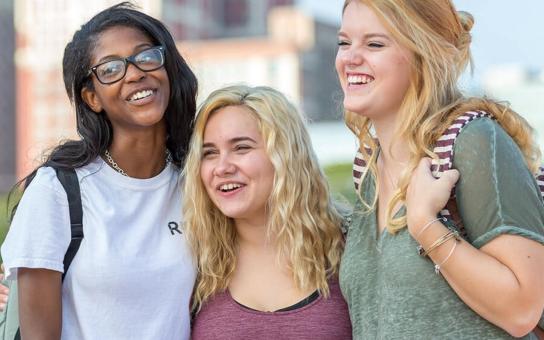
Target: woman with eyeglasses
(133, 274)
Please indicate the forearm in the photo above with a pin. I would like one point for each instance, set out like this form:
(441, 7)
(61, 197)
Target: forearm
(40, 304)
(488, 286)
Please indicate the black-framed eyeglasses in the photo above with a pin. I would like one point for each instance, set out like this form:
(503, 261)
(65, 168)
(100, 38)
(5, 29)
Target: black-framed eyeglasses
(111, 71)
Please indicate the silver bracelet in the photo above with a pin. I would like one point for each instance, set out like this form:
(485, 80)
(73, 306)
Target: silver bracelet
(438, 266)
(426, 226)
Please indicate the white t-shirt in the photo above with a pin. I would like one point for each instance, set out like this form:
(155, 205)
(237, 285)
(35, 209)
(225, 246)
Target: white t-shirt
(133, 274)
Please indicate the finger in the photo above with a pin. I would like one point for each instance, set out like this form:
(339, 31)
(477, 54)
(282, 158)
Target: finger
(425, 162)
(449, 178)
(424, 167)
(2, 307)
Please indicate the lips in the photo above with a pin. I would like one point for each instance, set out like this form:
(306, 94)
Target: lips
(140, 94)
(355, 79)
(229, 187)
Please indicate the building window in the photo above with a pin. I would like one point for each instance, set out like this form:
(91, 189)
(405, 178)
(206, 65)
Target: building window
(282, 2)
(235, 13)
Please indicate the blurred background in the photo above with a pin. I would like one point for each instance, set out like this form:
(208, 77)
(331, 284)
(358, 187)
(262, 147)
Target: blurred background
(287, 44)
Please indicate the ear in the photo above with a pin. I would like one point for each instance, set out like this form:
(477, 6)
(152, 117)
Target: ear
(91, 99)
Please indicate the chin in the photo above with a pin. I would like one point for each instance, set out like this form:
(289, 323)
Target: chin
(231, 212)
(355, 105)
(357, 109)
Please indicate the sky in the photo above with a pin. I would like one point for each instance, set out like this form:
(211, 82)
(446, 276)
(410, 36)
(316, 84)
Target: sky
(505, 31)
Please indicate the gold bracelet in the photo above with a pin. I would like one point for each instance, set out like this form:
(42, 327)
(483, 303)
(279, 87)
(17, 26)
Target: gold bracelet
(438, 266)
(426, 226)
(441, 240)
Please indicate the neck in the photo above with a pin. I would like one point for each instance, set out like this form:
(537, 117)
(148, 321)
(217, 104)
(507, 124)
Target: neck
(252, 234)
(393, 149)
(140, 155)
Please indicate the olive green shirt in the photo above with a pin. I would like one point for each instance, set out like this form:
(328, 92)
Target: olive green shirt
(392, 292)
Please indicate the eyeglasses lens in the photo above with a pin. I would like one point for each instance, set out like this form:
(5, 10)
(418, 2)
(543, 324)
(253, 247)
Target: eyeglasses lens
(114, 70)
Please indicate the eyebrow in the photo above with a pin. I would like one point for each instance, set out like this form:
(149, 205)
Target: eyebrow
(368, 35)
(115, 56)
(231, 141)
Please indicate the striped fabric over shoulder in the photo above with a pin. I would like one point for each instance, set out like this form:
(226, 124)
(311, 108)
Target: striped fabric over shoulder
(444, 148)
(445, 144)
(540, 180)
(359, 166)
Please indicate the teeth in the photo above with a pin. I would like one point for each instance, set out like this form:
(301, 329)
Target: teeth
(360, 79)
(140, 95)
(229, 186)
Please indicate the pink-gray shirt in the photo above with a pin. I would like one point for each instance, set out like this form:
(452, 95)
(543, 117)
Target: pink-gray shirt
(324, 318)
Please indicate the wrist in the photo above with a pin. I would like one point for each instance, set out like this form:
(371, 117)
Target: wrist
(417, 224)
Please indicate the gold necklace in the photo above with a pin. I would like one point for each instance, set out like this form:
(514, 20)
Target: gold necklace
(114, 164)
(117, 168)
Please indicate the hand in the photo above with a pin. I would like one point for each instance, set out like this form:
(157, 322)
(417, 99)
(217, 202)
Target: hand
(426, 195)
(4, 291)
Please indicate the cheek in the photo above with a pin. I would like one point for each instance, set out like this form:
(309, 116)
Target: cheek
(107, 96)
(339, 64)
(167, 83)
(206, 175)
(268, 176)
(404, 75)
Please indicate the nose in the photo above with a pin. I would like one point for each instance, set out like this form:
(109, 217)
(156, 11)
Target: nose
(352, 56)
(224, 166)
(133, 73)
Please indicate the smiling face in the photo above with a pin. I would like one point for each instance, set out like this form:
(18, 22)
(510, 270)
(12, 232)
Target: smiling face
(374, 70)
(235, 168)
(139, 99)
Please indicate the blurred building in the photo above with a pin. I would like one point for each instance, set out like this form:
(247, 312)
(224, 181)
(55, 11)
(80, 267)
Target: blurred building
(7, 88)
(522, 89)
(258, 42)
(296, 56)
(321, 93)
(43, 28)
(257, 61)
(215, 19)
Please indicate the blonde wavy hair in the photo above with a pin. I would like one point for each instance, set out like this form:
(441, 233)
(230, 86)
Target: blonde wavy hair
(302, 219)
(439, 39)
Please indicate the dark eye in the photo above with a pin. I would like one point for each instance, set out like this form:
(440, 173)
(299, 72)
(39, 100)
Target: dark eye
(343, 43)
(242, 147)
(375, 44)
(111, 68)
(145, 58)
(149, 58)
(207, 153)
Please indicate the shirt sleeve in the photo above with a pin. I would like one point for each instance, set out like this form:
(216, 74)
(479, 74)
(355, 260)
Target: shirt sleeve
(496, 192)
(39, 234)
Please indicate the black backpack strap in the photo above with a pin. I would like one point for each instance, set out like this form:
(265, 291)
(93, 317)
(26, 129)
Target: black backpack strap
(68, 179)
(70, 183)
